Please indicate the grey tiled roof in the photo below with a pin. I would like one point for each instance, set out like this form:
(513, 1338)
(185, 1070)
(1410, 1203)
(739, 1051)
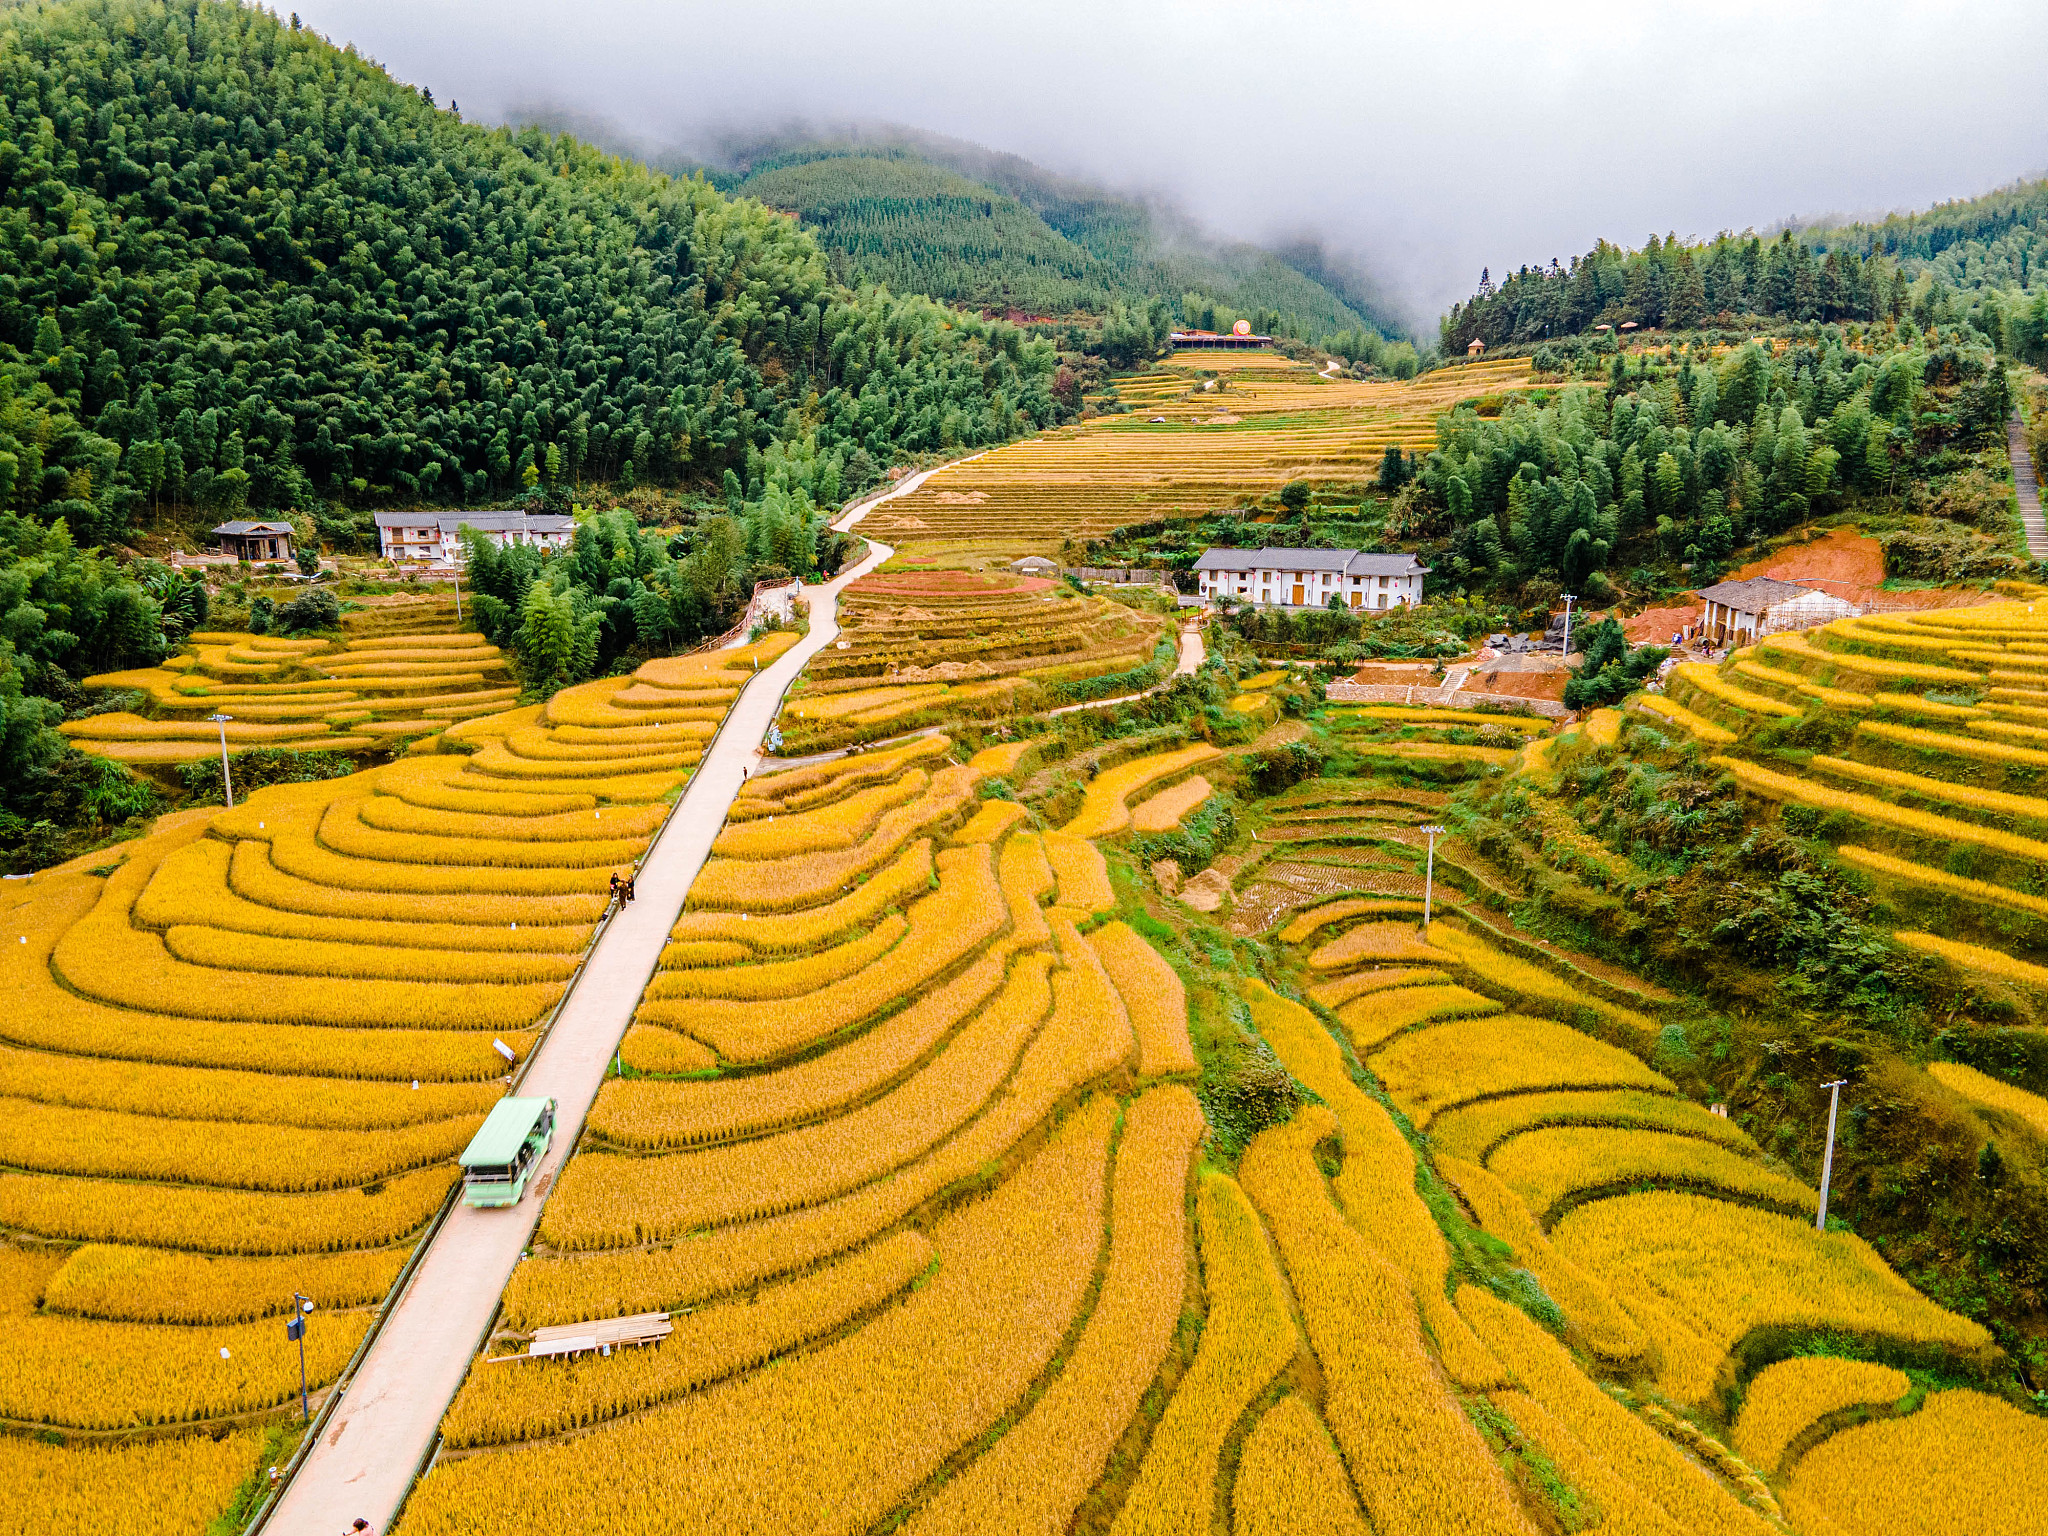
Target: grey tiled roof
(1753, 596)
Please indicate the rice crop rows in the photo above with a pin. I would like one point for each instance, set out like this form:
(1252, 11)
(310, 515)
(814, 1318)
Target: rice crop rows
(2029, 1109)
(1152, 994)
(1966, 1461)
(510, 1400)
(1473, 1132)
(1418, 1463)
(131, 1489)
(1430, 1070)
(1036, 1475)
(834, 1439)
(1592, 1311)
(1548, 1167)
(1104, 809)
(1376, 1184)
(1677, 714)
(1248, 1336)
(1700, 1273)
(1788, 1398)
(1290, 1479)
(1602, 1429)
(1212, 450)
(240, 1064)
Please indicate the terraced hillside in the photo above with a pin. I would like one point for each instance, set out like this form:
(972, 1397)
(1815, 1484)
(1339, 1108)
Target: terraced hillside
(239, 1055)
(904, 1150)
(1915, 745)
(1277, 421)
(882, 1103)
(919, 647)
(398, 675)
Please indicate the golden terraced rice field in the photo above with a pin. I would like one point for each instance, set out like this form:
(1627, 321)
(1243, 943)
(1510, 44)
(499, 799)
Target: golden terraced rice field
(239, 1056)
(1277, 421)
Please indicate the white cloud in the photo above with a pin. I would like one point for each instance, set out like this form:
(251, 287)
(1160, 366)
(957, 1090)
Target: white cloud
(1430, 140)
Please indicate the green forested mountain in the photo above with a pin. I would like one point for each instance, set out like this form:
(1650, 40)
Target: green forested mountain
(242, 268)
(1940, 266)
(979, 227)
(1999, 240)
(1678, 286)
(922, 228)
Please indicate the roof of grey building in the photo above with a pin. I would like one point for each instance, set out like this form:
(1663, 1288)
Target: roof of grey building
(1364, 564)
(1274, 559)
(484, 521)
(1756, 595)
(248, 527)
(1350, 562)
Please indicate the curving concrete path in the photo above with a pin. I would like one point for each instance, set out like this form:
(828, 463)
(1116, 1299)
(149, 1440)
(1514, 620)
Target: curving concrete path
(860, 509)
(390, 1412)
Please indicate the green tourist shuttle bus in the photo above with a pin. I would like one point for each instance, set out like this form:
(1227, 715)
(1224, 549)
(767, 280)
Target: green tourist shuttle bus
(506, 1149)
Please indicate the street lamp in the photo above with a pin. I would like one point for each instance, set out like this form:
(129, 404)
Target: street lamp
(227, 788)
(1827, 1163)
(296, 1329)
(1429, 873)
(1569, 599)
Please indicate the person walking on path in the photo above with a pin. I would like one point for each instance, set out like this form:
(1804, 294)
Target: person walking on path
(629, 887)
(615, 885)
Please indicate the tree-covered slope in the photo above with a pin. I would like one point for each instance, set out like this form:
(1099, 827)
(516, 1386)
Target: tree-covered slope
(243, 269)
(917, 208)
(922, 228)
(1999, 240)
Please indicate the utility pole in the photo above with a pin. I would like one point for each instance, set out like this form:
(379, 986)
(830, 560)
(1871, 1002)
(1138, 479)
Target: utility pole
(1569, 599)
(1429, 874)
(296, 1329)
(1827, 1163)
(227, 788)
(458, 593)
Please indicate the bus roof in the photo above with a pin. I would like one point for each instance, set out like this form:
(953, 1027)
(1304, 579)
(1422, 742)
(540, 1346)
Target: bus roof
(498, 1139)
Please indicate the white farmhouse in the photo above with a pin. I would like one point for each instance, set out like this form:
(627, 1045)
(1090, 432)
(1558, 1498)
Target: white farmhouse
(1309, 578)
(435, 537)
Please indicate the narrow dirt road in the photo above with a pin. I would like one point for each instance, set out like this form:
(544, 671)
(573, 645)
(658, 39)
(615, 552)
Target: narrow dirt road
(392, 1409)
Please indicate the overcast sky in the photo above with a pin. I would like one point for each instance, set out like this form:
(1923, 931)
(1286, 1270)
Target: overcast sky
(1429, 140)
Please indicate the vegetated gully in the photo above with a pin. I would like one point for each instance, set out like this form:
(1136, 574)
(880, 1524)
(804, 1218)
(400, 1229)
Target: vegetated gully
(391, 1410)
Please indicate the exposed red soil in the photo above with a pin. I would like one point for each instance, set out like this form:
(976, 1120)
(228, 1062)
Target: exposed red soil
(1520, 685)
(1841, 562)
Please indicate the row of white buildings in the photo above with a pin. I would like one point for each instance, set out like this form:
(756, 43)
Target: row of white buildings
(435, 538)
(1732, 612)
(1310, 578)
